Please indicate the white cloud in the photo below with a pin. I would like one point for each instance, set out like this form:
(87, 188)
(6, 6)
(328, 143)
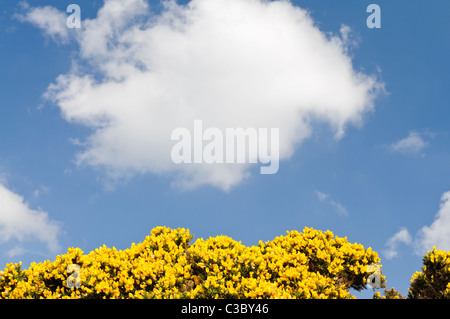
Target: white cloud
(347, 36)
(412, 144)
(230, 63)
(19, 222)
(322, 196)
(438, 233)
(340, 209)
(402, 236)
(40, 191)
(16, 251)
(49, 19)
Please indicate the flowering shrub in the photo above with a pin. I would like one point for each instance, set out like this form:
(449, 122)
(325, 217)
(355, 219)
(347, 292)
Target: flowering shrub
(312, 264)
(388, 294)
(433, 282)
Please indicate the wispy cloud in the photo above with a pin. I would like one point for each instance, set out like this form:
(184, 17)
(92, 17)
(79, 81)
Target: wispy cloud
(16, 251)
(402, 236)
(412, 144)
(338, 207)
(40, 191)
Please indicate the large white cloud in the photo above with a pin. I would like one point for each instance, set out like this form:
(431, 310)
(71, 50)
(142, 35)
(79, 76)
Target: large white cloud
(21, 223)
(230, 63)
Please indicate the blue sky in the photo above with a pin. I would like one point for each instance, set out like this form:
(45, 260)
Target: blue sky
(381, 184)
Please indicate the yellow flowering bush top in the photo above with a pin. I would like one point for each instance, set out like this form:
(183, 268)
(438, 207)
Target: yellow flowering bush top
(433, 282)
(312, 264)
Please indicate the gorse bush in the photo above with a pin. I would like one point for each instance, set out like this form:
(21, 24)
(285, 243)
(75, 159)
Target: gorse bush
(433, 282)
(312, 264)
